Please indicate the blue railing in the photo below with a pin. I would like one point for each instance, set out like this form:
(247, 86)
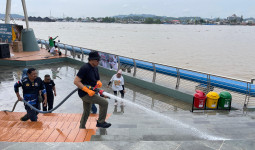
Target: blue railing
(239, 86)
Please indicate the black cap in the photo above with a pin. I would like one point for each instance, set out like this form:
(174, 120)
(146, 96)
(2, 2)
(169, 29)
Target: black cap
(94, 56)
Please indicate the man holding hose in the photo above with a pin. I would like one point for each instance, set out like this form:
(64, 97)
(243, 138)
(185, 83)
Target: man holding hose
(88, 76)
(32, 86)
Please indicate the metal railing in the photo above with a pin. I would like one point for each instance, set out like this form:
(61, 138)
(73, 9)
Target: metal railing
(180, 78)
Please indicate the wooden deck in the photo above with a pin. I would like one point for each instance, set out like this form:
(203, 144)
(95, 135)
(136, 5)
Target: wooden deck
(35, 55)
(53, 127)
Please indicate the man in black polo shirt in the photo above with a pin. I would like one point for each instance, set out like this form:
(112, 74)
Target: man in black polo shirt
(50, 88)
(88, 75)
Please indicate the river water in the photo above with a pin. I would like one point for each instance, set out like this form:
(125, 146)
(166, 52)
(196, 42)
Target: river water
(221, 50)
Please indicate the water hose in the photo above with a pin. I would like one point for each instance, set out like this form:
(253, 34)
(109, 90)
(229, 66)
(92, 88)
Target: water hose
(43, 112)
(12, 108)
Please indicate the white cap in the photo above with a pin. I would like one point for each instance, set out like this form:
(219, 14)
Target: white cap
(119, 72)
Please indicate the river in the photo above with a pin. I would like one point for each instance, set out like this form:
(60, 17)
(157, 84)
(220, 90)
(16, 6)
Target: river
(217, 49)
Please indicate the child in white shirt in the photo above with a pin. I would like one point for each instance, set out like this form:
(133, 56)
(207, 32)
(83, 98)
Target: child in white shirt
(117, 81)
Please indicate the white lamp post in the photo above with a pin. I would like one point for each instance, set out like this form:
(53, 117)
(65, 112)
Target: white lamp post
(8, 11)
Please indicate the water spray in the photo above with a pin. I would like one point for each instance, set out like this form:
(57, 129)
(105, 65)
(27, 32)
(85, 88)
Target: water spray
(166, 118)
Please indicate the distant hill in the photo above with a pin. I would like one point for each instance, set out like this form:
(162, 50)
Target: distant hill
(253, 19)
(15, 16)
(138, 15)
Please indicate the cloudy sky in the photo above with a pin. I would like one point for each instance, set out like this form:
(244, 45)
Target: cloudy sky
(103, 8)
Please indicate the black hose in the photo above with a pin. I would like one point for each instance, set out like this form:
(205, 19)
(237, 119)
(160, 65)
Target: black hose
(43, 112)
(12, 108)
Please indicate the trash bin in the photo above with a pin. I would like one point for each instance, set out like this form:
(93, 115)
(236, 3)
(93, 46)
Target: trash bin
(225, 100)
(212, 100)
(199, 99)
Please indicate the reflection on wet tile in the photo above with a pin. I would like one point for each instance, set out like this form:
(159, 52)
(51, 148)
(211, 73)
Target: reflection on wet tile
(201, 122)
(118, 112)
(172, 137)
(101, 131)
(124, 126)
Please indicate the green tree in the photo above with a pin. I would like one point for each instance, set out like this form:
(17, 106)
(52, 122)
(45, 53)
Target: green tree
(93, 19)
(241, 20)
(201, 21)
(108, 19)
(69, 18)
(158, 21)
(148, 20)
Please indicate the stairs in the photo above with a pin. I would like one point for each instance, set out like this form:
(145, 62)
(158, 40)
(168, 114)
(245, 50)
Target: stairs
(53, 127)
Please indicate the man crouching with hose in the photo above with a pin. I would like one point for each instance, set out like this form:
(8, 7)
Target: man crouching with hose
(88, 75)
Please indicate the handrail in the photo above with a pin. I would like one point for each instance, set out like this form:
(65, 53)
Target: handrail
(181, 68)
(236, 85)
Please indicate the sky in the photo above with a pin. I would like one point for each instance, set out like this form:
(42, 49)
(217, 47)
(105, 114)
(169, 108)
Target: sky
(104, 8)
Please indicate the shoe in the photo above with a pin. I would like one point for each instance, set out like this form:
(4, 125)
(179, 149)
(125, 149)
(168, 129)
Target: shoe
(94, 109)
(103, 125)
(122, 104)
(24, 118)
(116, 103)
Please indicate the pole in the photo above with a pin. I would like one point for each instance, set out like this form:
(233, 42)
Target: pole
(8, 11)
(25, 12)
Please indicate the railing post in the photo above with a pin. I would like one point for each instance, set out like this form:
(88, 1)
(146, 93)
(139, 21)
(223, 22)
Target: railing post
(152, 103)
(47, 45)
(58, 47)
(208, 83)
(41, 43)
(154, 73)
(178, 78)
(82, 54)
(73, 52)
(134, 74)
(65, 49)
(118, 62)
(248, 95)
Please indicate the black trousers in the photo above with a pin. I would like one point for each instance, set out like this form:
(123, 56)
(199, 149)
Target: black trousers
(50, 101)
(32, 114)
(121, 92)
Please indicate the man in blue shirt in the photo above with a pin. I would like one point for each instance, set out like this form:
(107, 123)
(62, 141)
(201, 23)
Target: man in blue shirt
(88, 75)
(32, 86)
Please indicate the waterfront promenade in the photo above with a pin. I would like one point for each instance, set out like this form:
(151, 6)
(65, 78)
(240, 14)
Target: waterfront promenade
(151, 121)
(148, 120)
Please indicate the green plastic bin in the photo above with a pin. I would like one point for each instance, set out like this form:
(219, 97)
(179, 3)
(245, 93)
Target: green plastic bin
(225, 100)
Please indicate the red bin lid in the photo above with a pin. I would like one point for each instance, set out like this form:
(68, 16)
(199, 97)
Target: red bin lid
(199, 94)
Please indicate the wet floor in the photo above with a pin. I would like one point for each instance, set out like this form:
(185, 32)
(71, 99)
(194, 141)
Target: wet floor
(146, 120)
(63, 75)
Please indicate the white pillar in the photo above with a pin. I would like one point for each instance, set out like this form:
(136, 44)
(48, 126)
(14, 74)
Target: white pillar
(25, 12)
(8, 11)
